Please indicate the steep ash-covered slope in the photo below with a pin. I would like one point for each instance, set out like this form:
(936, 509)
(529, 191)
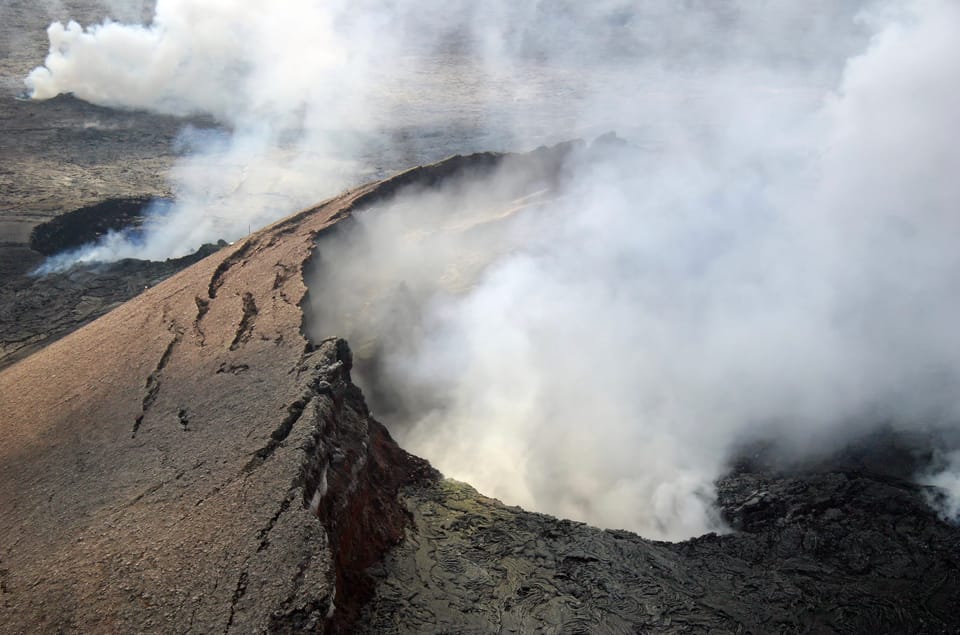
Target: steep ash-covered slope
(153, 460)
(191, 462)
(38, 310)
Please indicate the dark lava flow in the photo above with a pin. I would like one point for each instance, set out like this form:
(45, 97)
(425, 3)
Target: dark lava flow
(88, 224)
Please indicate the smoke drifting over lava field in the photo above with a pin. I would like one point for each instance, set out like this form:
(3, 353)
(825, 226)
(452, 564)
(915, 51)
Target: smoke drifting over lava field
(769, 257)
(318, 95)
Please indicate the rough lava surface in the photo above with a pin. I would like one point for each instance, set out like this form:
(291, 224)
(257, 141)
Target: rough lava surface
(191, 462)
(58, 156)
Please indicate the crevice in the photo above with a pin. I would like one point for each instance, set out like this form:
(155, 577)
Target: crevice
(152, 385)
(217, 279)
(150, 490)
(283, 274)
(247, 322)
(264, 534)
(233, 369)
(238, 594)
(280, 433)
(203, 306)
(136, 425)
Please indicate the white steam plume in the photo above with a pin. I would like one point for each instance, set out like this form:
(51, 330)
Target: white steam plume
(776, 261)
(945, 480)
(319, 95)
(600, 356)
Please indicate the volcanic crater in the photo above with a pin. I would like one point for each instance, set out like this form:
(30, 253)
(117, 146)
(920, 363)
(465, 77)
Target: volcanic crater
(285, 505)
(204, 444)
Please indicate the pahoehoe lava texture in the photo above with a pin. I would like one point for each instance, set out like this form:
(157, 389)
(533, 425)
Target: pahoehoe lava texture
(827, 552)
(260, 494)
(38, 310)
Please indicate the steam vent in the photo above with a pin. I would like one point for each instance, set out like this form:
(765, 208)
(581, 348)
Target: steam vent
(544, 391)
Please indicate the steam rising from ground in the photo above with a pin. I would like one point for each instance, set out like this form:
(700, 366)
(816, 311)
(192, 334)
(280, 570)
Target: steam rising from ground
(945, 480)
(616, 342)
(314, 96)
(773, 256)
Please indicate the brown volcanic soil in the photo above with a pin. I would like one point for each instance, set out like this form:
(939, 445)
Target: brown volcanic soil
(153, 474)
(150, 463)
(191, 463)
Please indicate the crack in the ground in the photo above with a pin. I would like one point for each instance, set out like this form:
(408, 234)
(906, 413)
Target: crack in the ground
(247, 322)
(152, 385)
(150, 490)
(216, 280)
(264, 534)
(284, 272)
(203, 306)
(238, 594)
(294, 412)
(234, 369)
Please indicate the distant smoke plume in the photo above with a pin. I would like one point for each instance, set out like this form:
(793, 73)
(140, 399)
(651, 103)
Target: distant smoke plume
(772, 257)
(315, 96)
(945, 481)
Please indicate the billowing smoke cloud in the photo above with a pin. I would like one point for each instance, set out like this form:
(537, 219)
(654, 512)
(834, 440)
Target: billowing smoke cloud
(601, 353)
(272, 78)
(945, 480)
(315, 96)
(771, 257)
